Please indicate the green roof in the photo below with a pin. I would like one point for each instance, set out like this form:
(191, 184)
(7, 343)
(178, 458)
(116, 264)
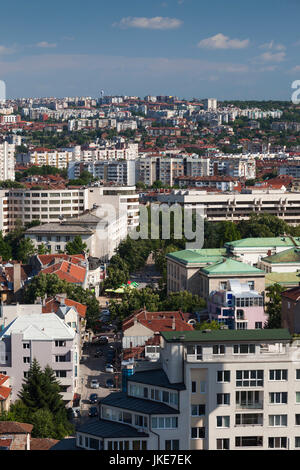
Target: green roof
(227, 335)
(203, 256)
(230, 266)
(287, 256)
(264, 242)
(284, 279)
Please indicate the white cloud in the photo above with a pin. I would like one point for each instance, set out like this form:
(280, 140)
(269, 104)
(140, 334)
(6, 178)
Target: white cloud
(46, 45)
(157, 22)
(272, 45)
(272, 57)
(220, 41)
(6, 50)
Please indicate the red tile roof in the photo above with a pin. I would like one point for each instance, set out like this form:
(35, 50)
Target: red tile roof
(158, 321)
(53, 304)
(14, 427)
(66, 271)
(42, 444)
(292, 294)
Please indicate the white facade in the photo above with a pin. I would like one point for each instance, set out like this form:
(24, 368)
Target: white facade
(7, 161)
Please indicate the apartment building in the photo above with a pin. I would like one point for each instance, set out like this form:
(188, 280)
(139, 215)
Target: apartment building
(102, 233)
(238, 306)
(44, 337)
(238, 206)
(7, 161)
(221, 183)
(211, 390)
(121, 172)
(56, 158)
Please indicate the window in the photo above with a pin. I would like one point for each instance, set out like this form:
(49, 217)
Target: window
(223, 398)
(141, 421)
(249, 419)
(61, 373)
(249, 378)
(222, 444)
(197, 433)
(297, 442)
(223, 285)
(297, 374)
(195, 350)
(297, 397)
(297, 420)
(197, 410)
(60, 344)
(278, 397)
(223, 421)
(218, 349)
(172, 444)
(278, 420)
(277, 442)
(25, 374)
(244, 349)
(202, 387)
(248, 399)
(165, 423)
(258, 325)
(278, 374)
(249, 441)
(26, 360)
(223, 376)
(26, 346)
(194, 387)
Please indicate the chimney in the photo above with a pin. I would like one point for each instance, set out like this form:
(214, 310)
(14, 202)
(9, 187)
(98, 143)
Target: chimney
(173, 324)
(17, 277)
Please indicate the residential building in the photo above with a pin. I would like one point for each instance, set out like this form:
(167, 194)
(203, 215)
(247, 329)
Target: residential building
(253, 250)
(237, 306)
(211, 390)
(121, 172)
(44, 337)
(7, 160)
(290, 309)
(142, 325)
(286, 261)
(17, 436)
(235, 206)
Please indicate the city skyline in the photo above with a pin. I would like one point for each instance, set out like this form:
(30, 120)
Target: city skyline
(176, 47)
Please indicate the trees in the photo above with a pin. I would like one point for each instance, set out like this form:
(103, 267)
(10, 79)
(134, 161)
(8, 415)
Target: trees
(25, 249)
(41, 404)
(77, 246)
(213, 325)
(5, 249)
(50, 284)
(273, 306)
(184, 301)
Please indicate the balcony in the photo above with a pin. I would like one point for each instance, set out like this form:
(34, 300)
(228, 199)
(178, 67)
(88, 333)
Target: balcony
(250, 406)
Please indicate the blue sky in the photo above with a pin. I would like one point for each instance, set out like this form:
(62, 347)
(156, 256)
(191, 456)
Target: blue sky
(189, 48)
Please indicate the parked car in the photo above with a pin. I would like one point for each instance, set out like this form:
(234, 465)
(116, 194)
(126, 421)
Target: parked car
(110, 383)
(93, 412)
(109, 368)
(94, 383)
(93, 398)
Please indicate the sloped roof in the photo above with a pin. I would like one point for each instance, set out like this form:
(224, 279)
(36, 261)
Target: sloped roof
(41, 327)
(121, 400)
(287, 256)
(155, 377)
(229, 266)
(292, 294)
(257, 242)
(202, 256)
(14, 427)
(158, 321)
(66, 271)
(110, 429)
(42, 444)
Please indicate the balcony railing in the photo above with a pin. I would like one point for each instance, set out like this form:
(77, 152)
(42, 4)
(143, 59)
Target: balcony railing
(250, 406)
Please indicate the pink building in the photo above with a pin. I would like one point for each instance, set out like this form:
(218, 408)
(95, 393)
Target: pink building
(238, 306)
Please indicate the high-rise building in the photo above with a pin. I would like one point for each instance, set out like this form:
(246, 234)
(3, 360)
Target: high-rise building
(7, 161)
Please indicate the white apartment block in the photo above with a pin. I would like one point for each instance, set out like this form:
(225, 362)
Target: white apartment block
(57, 158)
(120, 172)
(57, 204)
(210, 390)
(242, 388)
(238, 206)
(7, 161)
